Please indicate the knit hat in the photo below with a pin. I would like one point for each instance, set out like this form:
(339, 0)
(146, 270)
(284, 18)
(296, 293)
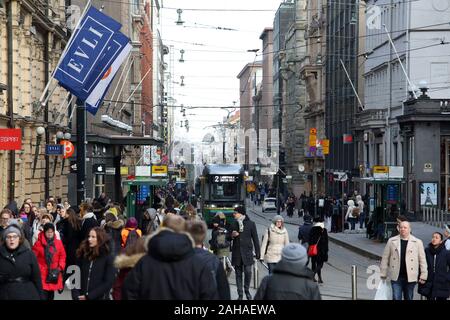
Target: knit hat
(110, 217)
(131, 223)
(294, 253)
(240, 210)
(277, 218)
(113, 211)
(48, 226)
(11, 229)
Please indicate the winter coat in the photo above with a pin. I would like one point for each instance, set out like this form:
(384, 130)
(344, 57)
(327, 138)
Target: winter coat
(244, 243)
(58, 261)
(319, 235)
(39, 231)
(438, 281)
(20, 278)
(289, 281)
(170, 271)
(304, 231)
(273, 242)
(415, 259)
(97, 278)
(124, 264)
(71, 239)
(114, 229)
(89, 221)
(217, 271)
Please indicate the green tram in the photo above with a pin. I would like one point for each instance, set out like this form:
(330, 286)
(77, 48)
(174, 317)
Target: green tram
(222, 188)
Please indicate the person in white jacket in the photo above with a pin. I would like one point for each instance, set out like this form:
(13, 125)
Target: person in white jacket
(275, 238)
(349, 216)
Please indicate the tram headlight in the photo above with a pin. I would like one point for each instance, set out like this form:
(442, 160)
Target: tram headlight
(236, 205)
(213, 206)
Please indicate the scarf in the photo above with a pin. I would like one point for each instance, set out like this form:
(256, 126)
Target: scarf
(241, 223)
(434, 250)
(48, 252)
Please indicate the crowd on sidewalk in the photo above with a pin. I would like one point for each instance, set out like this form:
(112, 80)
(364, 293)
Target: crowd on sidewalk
(44, 249)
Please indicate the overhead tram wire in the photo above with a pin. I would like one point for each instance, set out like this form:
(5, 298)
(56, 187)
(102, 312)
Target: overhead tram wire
(264, 10)
(200, 107)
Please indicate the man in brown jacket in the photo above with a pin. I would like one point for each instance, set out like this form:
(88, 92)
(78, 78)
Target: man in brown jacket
(404, 263)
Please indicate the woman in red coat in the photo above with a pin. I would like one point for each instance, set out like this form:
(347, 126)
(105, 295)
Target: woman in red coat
(51, 255)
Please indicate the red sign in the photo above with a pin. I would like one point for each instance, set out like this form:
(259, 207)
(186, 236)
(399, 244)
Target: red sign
(348, 138)
(69, 149)
(10, 139)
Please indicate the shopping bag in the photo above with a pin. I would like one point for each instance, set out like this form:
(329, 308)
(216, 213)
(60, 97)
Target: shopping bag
(384, 291)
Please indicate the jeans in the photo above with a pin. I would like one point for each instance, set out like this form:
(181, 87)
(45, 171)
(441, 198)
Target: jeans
(271, 266)
(247, 270)
(402, 286)
(352, 222)
(362, 220)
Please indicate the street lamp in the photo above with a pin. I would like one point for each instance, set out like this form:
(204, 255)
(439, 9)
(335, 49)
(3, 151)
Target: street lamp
(40, 132)
(181, 58)
(179, 22)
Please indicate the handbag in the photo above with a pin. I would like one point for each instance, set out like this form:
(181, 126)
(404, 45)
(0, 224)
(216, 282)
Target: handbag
(313, 250)
(52, 276)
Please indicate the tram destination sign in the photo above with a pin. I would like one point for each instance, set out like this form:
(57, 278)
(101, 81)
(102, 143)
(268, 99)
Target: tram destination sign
(219, 179)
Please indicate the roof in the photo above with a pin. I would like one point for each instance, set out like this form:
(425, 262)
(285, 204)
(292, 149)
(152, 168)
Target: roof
(256, 64)
(145, 181)
(379, 181)
(223, 169)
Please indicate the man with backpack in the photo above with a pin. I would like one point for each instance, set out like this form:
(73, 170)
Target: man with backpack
(131, 233)
(220, 242)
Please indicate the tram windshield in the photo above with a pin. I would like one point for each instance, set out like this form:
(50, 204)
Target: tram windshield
(224, 190)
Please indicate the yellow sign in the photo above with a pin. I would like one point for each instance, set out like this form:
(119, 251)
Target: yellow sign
(313, 131)
(380, 169)
(124, 171)
(325, 143)
(312, 140)
(326, 150)
(159, 171)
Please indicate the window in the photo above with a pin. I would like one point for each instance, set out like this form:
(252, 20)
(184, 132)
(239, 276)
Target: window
(224, 191)
(99, 185)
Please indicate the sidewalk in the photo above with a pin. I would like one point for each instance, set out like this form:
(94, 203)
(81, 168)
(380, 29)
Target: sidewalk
(357, 242)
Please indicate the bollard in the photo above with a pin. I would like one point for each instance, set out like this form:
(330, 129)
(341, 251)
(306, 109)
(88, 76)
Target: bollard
(354, 283)
(255, 282)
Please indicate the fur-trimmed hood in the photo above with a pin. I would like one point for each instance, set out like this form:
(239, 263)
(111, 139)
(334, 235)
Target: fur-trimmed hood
(168, 245)
(126, 262)
(118, 224)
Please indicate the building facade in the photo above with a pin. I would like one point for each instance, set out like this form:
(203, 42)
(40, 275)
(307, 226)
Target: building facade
(313, 72)
(32, 37)
(341, 102)
(387, 135)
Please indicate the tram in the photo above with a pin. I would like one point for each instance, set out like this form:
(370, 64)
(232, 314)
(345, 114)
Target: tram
(221, 189)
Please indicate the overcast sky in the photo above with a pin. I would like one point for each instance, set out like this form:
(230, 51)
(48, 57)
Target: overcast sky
(211, 66)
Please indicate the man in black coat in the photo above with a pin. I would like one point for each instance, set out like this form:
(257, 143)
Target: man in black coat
(198, 230)
(245, 238)
(170, 270)
(291, 279)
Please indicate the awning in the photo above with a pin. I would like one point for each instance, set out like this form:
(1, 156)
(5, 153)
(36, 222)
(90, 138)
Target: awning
(119, 140)
(146, 182)
(372, 180)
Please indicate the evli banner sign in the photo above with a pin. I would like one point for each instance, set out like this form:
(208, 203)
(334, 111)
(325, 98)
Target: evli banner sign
(10, 139)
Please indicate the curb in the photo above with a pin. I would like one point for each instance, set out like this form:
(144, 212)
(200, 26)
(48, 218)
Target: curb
(360, 251)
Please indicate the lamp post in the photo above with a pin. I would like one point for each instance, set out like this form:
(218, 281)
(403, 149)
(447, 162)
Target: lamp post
(39, 131)
(67, 137)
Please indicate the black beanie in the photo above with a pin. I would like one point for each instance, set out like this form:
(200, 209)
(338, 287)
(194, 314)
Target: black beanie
(49, 226)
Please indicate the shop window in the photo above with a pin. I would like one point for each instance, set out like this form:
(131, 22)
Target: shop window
(99, 184)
